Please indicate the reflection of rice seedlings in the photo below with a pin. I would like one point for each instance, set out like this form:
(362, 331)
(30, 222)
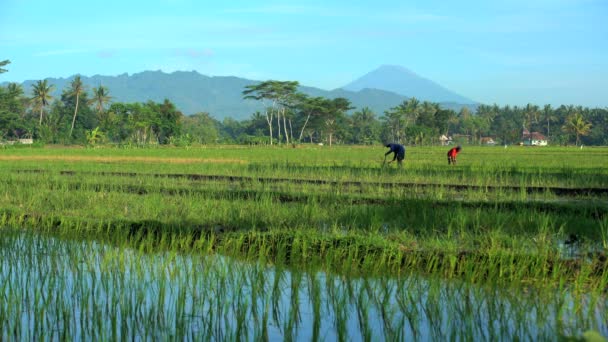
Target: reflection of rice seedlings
(99, 291)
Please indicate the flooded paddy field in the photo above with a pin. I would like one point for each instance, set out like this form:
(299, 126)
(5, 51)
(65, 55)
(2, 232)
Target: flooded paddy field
(307, 243)
(69, 289)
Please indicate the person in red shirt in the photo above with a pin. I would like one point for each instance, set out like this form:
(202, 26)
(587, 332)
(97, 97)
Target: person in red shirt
(452, 155)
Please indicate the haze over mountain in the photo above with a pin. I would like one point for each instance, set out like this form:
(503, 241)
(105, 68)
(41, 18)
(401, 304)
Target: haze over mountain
(221, 96)
(403, 81)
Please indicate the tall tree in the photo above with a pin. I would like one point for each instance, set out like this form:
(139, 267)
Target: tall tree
(278, 93)
(335, 115)
(426, 114)
(202, 127)
(575, 124)
(76, 89)
(101, 98)
(412, 110)
(12, 111)
(531, 113)
(443, 119)
(548, 116)
(169, 121)
(364, 127)
(15, 89)
(396, 119)
(310, 107)
(41, 96)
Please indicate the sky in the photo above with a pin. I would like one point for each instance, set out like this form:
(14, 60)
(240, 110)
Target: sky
(506, 52)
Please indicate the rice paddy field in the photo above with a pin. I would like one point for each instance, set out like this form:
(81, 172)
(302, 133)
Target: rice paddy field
(306, 243)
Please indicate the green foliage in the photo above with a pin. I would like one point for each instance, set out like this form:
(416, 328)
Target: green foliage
(4, 63)
(183, 140)
(201, 127)
(365, 127)
(576, 125)
(12, 107)
(289, 117)
(95, 136)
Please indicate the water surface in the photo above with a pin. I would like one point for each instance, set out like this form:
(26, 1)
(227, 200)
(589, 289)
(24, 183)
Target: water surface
(54, 289)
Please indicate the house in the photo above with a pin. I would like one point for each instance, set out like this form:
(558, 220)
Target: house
(487, 141)
(27, 141)
(445, 140)
(533, 139)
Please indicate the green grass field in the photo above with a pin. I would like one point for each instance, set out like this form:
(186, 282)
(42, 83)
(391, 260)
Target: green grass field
(501, 217)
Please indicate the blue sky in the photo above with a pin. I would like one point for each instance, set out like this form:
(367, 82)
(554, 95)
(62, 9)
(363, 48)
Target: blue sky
(508, 52)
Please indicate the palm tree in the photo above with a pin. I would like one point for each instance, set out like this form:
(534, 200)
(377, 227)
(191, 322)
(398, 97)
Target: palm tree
(3, 63)
(41, 98)
(531, 113)
(15, 89)
(575, 124)
(363, 126)
(101, 97)
(549, 116)
(412, 110)
(77, 88)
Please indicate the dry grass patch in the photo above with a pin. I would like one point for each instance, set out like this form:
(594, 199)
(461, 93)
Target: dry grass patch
(126, 159)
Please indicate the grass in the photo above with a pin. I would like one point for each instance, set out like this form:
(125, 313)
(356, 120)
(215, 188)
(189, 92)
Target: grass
(499, 219)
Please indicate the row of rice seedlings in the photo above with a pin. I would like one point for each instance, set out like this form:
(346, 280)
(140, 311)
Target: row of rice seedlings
(499, 261)
(61, 289)
(252, 190)
(486, 174)
(433, 191)
(25, 188)
(255, 210)
(552, 168)
(427, 222)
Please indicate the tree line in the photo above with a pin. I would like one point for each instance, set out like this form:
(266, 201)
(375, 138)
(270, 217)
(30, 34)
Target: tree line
(83, 116)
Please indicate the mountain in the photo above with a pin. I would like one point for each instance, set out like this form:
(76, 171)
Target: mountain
(404, 82)
(221, 96)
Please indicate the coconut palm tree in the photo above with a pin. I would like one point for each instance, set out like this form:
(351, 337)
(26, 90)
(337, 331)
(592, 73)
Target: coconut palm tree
(15, 89)
(531, 113)
(549, 116)
(77, 88)
(576, 124)
(412, 110)
(41, 98)
(3, 63)
(101, 97)
(364, 126)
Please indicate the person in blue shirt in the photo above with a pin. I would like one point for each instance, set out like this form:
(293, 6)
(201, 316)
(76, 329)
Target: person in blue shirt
(399, 152)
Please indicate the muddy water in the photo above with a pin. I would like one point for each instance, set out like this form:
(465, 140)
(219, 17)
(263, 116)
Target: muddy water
(56, 289)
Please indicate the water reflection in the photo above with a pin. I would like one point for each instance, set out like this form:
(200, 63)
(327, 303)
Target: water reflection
(58, 289)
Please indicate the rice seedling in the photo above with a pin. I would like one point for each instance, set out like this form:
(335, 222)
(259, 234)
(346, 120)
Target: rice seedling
(152, 223)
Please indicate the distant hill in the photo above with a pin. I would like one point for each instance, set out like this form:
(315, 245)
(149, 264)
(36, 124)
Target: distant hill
(404, 82)
(218, 95)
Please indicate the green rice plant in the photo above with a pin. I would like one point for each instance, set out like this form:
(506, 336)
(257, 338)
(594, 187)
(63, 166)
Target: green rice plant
(603, 225)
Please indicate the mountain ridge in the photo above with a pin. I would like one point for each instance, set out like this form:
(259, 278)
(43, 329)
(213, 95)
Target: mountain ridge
(220, 96)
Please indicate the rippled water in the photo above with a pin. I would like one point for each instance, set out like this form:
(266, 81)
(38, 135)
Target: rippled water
(82, 290)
